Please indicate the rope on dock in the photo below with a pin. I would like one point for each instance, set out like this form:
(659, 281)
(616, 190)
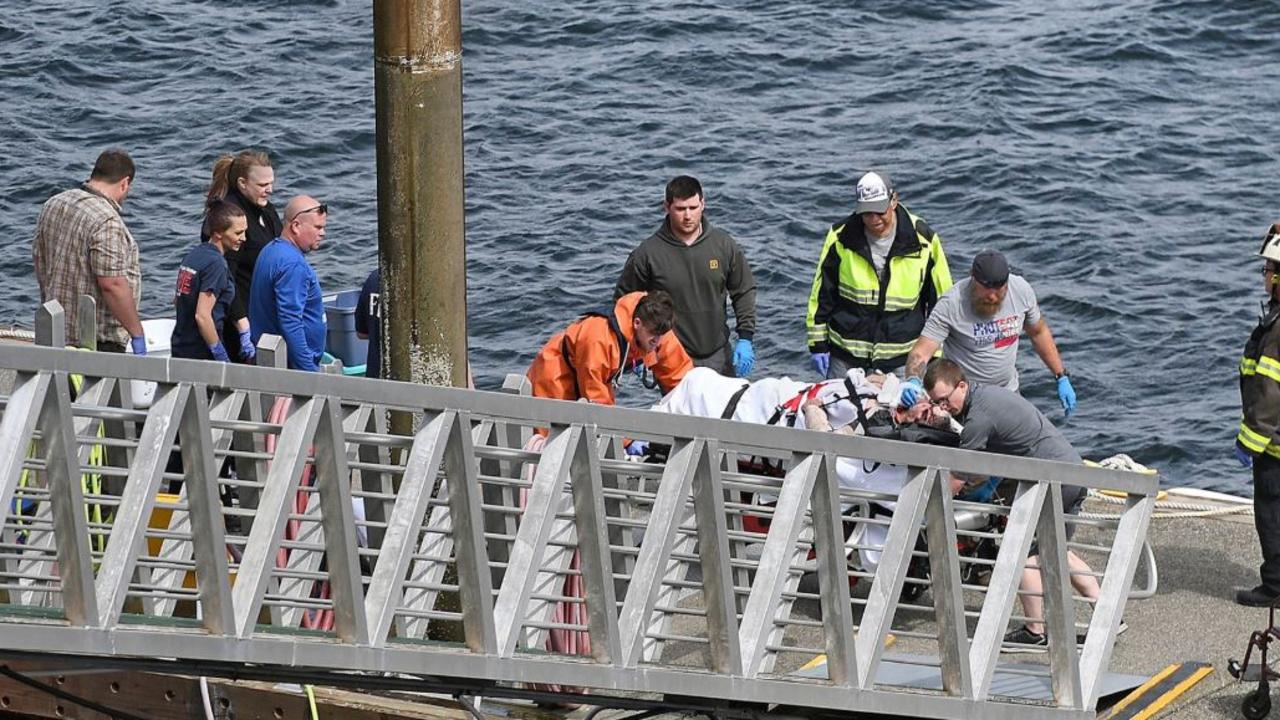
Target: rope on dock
(15, 333)
(1167, 509)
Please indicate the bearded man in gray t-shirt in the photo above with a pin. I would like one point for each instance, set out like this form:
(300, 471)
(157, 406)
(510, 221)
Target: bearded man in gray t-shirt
(978, 322)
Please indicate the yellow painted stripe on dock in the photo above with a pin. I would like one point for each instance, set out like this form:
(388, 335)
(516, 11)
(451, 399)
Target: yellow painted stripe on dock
(1177, 691)
(1133, 696)
(817, 660)
(1159, 692)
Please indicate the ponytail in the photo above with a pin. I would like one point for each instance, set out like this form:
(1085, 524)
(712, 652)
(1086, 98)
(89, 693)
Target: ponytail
(220, 184)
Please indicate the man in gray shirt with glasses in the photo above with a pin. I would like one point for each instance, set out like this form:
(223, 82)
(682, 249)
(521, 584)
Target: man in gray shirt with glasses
(997, 420)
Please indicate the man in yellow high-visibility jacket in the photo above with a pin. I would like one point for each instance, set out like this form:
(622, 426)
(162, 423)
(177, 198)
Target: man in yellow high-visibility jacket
(1258, 442)
(881, 271)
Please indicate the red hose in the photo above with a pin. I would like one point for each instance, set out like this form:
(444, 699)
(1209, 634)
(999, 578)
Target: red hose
(561, 640)
(311, 619)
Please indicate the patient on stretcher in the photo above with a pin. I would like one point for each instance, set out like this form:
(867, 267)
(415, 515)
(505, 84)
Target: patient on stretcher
(824, 406)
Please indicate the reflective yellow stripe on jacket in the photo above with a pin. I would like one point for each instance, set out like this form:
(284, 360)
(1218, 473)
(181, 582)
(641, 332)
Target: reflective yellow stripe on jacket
(1253, 439)
(1254, 442)
(816, 333)
(871, 351)
(1269, 367)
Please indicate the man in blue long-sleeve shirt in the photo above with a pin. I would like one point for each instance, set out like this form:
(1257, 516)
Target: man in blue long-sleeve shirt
(285, 296)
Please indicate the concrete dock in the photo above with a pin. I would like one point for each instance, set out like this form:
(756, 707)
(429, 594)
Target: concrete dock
(1193, 617)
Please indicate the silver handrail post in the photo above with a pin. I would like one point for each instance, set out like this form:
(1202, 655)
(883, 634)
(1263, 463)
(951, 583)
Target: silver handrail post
(51, 328)
(87, 322)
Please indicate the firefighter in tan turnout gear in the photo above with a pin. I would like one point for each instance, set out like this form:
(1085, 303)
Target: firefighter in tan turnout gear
(1258, 442)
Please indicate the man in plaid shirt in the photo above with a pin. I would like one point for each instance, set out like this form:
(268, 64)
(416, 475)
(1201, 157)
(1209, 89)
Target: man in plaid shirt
(82, 247)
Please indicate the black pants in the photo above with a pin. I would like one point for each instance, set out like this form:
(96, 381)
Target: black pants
(1266, 517)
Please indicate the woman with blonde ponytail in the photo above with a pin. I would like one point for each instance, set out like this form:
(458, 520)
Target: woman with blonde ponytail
(245, 179)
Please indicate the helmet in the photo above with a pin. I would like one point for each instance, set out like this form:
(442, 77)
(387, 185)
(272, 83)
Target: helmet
(1271, 244)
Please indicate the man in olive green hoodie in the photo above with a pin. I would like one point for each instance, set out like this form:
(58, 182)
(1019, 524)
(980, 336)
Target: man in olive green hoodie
(699, 265)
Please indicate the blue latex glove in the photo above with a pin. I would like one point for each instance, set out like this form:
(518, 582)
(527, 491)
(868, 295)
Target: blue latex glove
(744, 357)
(980, 493)
(1066, 394)
(912, 391)
(821, 362)
(637, 448)
(1246, 460)
(139, 344)
(247, 350)
(219, 352)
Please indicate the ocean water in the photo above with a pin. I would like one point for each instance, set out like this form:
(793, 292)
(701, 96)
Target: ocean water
(1122, 154)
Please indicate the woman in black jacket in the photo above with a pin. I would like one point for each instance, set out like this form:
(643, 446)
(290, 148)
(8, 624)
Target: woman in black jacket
(247, 180)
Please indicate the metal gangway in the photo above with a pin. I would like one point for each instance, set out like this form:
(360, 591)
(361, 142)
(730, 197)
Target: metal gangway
(301, 535)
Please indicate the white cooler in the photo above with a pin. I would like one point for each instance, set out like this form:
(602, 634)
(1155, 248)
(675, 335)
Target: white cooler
(158, 331)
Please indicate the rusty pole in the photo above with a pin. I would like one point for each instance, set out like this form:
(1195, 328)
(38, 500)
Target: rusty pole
(417, 46)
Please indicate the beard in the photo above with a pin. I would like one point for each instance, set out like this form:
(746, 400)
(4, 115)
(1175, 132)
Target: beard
(986, 309)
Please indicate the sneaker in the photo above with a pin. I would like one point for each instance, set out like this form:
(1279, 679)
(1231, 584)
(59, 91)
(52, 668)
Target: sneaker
(1256, 597)
(1026, 641)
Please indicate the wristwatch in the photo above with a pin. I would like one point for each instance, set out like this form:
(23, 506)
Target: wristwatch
(1062, 374)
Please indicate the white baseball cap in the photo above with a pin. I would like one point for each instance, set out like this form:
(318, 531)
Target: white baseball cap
(875, 192)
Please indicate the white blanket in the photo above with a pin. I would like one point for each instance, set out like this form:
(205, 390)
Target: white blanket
(705, 393)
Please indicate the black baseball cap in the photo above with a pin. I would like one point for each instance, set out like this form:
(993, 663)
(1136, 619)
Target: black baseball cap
(990, 268)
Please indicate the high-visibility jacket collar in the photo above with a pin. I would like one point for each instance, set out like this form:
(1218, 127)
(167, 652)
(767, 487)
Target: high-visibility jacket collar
(905, 240)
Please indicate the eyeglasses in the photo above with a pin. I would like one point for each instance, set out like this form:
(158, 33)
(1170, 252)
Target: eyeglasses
(990, 286)
(945, 401)
(322, 208)
(1268, 270)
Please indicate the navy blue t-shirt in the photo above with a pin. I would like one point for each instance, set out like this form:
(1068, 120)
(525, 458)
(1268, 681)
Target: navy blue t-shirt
(202, 270)
(369, 321)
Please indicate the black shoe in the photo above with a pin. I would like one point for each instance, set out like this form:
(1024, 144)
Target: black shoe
(1026, 641)
(1257, 597)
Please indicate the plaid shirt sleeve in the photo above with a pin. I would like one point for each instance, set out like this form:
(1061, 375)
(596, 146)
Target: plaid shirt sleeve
(110, 249)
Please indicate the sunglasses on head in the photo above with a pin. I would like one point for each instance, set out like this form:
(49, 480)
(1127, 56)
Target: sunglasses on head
(322, 208)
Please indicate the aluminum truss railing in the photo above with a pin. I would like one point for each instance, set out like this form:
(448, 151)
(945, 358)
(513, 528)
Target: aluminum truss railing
(309, 534)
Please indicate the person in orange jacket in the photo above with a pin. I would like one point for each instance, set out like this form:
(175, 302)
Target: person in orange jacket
(588, 358)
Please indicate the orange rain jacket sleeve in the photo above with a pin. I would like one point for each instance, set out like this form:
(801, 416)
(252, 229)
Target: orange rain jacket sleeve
(594, 357)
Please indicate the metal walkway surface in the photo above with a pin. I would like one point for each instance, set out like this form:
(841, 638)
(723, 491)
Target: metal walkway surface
(298, 530)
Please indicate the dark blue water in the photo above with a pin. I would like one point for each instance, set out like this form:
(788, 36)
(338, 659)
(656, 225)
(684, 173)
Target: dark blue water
(1123, 154)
